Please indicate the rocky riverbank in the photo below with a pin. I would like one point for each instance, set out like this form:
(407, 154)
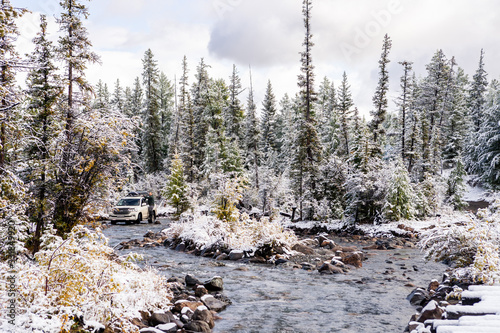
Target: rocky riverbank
(195, 307)
(327, 253)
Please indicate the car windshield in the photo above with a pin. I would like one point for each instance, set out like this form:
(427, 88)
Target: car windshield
(129, 202)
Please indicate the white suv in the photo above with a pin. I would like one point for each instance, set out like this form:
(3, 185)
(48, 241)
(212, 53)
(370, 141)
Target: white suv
(135, 207)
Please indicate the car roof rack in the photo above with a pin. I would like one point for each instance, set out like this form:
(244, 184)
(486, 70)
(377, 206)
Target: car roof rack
(140, 194)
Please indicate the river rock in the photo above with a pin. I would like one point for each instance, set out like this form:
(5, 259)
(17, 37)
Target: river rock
(214, 284)
(198, 326)
(139, 323)
(203, 314)
(158, 318)
(303, 249)
(181, 304)
(355, 259)
(431, 311)
(150, 330)
(236, 255)
(433, 285)
(181, 247)
(222, 256)
(328, 268)
(191, 280)
(418, 297)
(200, 291)
(168, 328)
(307, 266)
(213, 303)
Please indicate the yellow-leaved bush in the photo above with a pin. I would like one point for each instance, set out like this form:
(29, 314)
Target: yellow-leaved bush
(81, 275)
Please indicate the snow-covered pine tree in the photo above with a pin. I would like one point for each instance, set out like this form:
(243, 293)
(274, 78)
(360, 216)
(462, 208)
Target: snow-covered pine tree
(433, 100)
(9, 65)
(404, 104)
(252, 139)
(380, 99)
(118, 97)
(345, 103)
(329, 127)
(42, 126)
(235, 115)
(489, 142)
(307, 146)
(476, 98)
(268, 128)
(414, 117)
(285, 133)
(102, 96)
(456, 185)
(456, 126)
(200, 101)
(400, 197)
(177, 190)
(166, 96)
(152, 153)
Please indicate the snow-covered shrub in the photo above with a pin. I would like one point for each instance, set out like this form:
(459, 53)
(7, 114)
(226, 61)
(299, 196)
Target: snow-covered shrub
(471, 245)
(400, 198)
(227, 195)
(242, 234)
(429, 195)
(78, 276)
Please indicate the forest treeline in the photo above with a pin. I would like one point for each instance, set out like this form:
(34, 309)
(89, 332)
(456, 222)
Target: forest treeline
(66, 145)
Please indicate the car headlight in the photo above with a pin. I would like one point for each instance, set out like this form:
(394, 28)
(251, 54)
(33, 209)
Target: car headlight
(132, 209)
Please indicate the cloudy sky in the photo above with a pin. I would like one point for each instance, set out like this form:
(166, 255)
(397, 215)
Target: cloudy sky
(267, 35)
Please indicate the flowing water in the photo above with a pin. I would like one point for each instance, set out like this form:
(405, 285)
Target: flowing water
(370, 299)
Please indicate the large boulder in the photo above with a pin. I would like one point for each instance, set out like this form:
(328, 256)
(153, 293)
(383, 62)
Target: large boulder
(168, 328)
(191, 280)
(181, 304)
(236, 255)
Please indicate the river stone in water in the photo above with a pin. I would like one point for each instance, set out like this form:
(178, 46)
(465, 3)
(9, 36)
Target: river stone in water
(355, 259)
(198, 326)
(214, 284)
(191, 280)
(203, 314)
(213, 303)
(431, 311)
(236, 255)
(418, 297)
(328, 268)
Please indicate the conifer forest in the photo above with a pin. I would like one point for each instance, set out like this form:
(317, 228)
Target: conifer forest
(207, 148)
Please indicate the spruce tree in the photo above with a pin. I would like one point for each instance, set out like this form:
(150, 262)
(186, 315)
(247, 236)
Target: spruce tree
(404, 104)
(166, 97)
(176, 190)
(476, 99)
(400, 198)
(269, 140)
(308, 150)
(252, 139)
(344, 106)
(235, 115)
(152, 153)
(118, 97)
(456, 185)
(43, 92)
(380, 99)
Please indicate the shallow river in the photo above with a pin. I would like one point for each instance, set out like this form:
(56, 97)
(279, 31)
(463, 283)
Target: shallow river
(281, 300)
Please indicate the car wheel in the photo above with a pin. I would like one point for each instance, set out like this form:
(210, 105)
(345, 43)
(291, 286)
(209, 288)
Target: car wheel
(152, 218)
(139, 218)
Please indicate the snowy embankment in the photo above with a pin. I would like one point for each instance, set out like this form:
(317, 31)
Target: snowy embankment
(81, 282)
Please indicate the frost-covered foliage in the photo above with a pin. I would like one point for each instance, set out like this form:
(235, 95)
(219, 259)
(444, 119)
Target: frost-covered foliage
(400, 198)
(429, 193)
(242, 234)
(456, 186)
(78, 276)
(177, 190)
(228, 194)
(472, 244)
